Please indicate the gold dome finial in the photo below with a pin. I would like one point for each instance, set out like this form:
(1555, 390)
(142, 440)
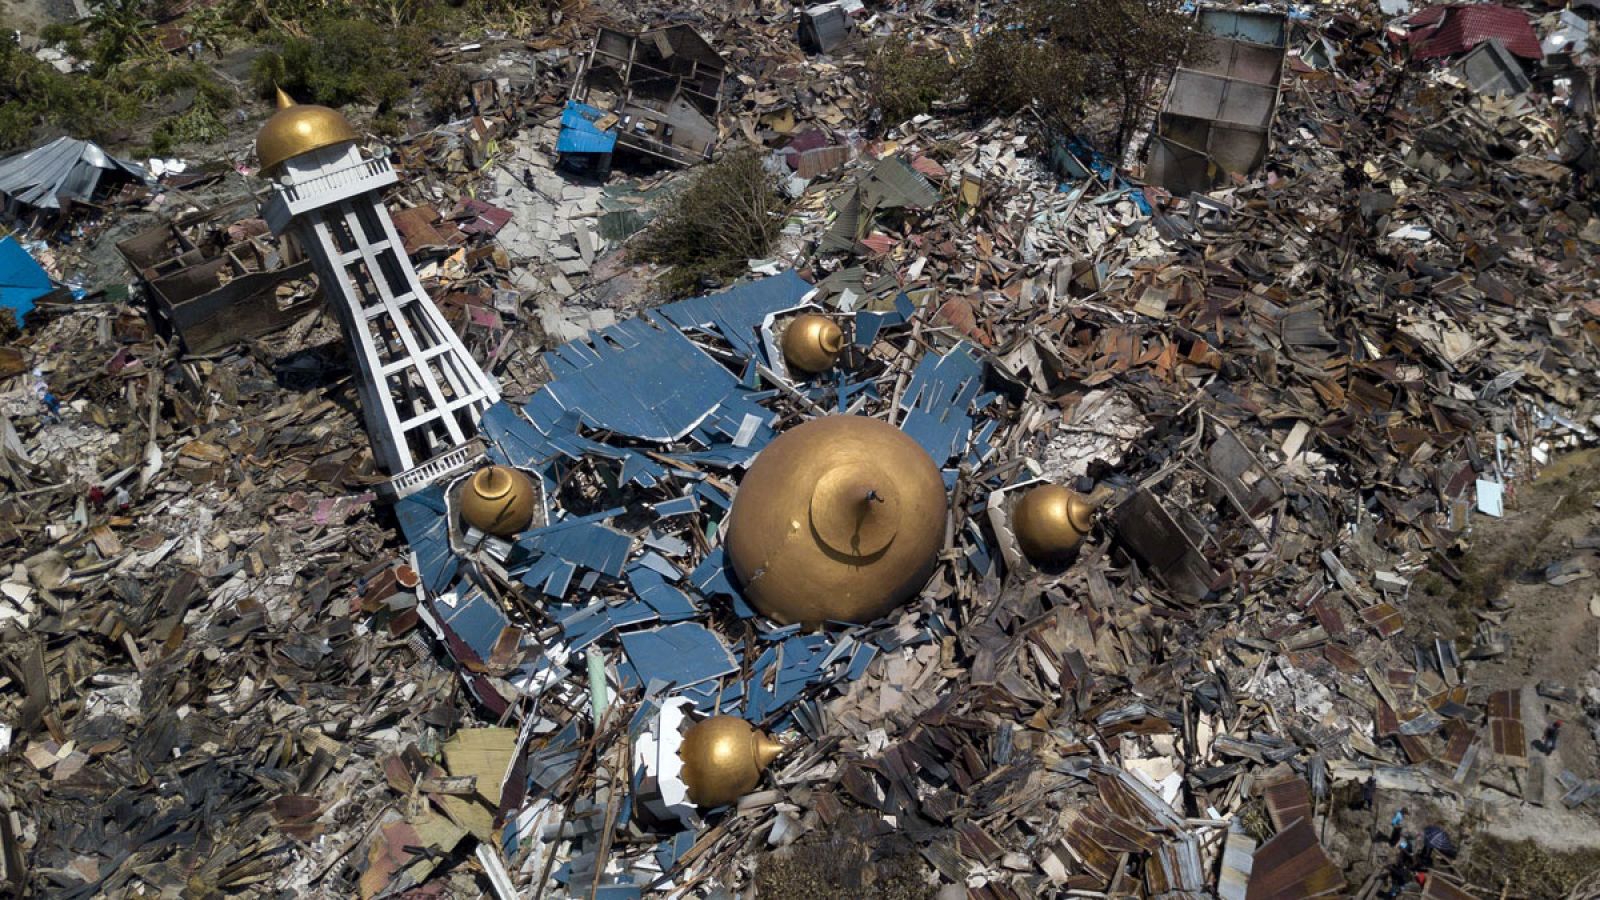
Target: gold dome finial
(723, 758)
(298, 128)
(812, 343)
(1050, 521)
(498, 500)
(839, 519)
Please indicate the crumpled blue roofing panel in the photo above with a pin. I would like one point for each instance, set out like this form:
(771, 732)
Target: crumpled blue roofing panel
(557, 436)
(427, 529)
(513, 440)
(671, 604)
(736, 313)
(868, 323)
(582, 627)
(584, 543)
(475, 620)
(684, 654)
(939, 399)
(578, 132)
(637, 379)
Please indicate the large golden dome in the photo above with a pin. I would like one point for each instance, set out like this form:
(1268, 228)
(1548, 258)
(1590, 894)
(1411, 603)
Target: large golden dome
(295, 129)
(839, 519)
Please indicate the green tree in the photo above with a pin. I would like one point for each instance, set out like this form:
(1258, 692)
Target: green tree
(1014, 68)
(116, 30)
(1056, 55)
(905, 79)
(729, 213)
(345, 60)
(1125, 46)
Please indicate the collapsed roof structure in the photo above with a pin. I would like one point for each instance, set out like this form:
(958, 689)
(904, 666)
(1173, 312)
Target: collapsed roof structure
(49, 179)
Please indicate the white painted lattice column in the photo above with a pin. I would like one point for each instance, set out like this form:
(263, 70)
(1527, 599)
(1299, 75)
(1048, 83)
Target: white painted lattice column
(421, 392)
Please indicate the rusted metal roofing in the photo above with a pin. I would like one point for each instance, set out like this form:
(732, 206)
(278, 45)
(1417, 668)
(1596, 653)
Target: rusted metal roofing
(1507, 739)
(1449, 30)
(1384, 618)
(1288, 801)
(1293, 866)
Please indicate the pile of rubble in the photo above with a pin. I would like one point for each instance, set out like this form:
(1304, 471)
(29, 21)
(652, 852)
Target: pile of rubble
(1295, 398)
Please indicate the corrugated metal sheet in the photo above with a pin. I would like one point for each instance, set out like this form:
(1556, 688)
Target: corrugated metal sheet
(63, 169)
(1448, 30)
(1293, 866)
(893, 184)
(736, 313)
(939, 402)
(638, 379)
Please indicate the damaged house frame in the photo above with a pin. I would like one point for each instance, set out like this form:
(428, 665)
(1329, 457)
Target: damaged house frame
(657, 92)
(1216, 116)
(212, 276)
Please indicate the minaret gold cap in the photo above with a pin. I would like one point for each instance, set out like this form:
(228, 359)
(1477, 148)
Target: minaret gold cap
(1050, 521)
(299, 128)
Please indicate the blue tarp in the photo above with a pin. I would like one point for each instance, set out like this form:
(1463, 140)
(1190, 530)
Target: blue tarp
(578, 134)
(22, 281)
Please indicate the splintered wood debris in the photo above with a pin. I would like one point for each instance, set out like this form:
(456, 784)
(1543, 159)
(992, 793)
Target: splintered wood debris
(226, 667)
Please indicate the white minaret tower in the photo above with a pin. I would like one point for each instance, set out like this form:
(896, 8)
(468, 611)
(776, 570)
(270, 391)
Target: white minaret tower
(421, 392)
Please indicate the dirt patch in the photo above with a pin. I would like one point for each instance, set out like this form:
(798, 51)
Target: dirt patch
(1553, 635)
(1553, 638)
(1546, 516)
(848, 860)
(1530, 869)
(1527, 851)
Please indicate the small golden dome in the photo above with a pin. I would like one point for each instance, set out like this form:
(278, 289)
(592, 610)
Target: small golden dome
(1050, 521)
(295, 129)
(498, 500)
(723, 758)
(840, 518)
(812, 343)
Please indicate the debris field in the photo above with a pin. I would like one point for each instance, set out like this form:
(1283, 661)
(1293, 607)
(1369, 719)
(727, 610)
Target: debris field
(1318, 361)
